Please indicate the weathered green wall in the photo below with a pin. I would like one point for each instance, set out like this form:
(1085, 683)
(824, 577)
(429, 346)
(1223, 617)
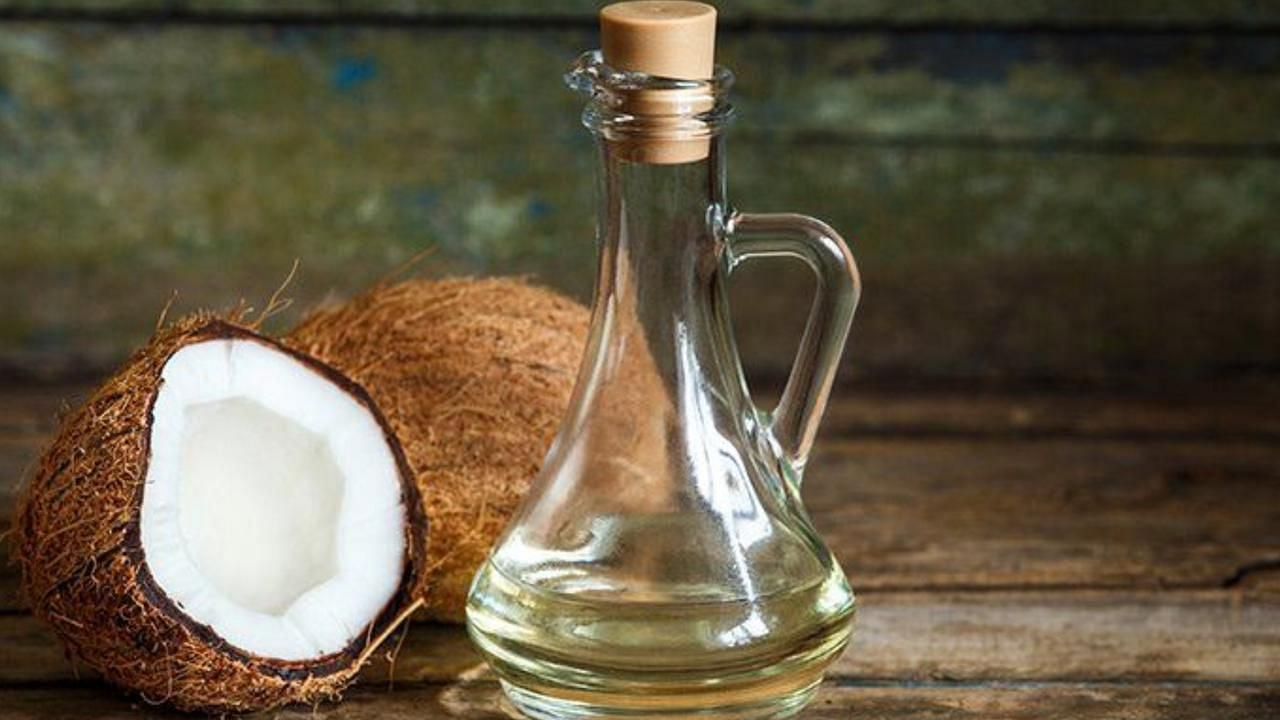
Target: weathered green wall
(1249, 13)
(1085, 195)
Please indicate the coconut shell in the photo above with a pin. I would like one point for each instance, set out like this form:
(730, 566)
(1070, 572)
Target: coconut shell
(78, 544)
(474, 377)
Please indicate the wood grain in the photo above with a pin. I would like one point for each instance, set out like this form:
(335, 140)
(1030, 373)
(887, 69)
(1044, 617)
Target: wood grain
(1065, 635)
(482, 701)
(954, 513)
(965, 87)
(942, 495)
(29, 653)
(1088, 14)
(1015, 553)
(1083, 192)
(1223, 411)
(969, 637)
(1240, 411)
(1023, 205)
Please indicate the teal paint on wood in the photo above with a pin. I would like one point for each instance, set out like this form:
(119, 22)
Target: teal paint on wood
(480, 85)
(140, 160)
(1151, 12)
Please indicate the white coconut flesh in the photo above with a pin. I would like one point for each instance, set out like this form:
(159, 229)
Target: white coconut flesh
(272, 510)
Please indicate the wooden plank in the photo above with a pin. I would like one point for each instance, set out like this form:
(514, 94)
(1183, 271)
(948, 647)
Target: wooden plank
(1207, 413)
(10, 597)
(948, 514)
(207, 159)
(1045, 636)
(1080, 702)
(941, 514)
(1056, 513)
(1228, 411)
(487, 86)
(482, 701)
(30, 413)
(1145, 13)
(1055, 635)
(942, 301)
(30, 653)
(944, 297)
(953, 486)
(1242, 411)
(969, 511)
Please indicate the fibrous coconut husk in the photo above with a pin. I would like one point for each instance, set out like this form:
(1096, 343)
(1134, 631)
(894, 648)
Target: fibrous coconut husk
(474, 377)
(78, 545)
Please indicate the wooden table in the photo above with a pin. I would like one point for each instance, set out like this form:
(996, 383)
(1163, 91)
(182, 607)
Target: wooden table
(1023, 555)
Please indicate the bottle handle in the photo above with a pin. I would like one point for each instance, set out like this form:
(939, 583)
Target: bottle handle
(794, 422)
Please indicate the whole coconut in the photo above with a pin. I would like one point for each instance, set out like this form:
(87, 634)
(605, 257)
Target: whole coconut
(474, 377)
(87, 573)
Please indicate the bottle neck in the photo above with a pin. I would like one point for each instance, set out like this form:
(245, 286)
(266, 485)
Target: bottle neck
(659, 228)
(660, 357)
(661, 318)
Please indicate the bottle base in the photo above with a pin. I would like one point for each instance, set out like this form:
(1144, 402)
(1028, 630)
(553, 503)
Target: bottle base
(563, 657)
(710, 706)
(779, 689)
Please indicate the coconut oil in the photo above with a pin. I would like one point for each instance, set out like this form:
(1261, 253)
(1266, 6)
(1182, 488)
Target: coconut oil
(658, 653)
(662, 564)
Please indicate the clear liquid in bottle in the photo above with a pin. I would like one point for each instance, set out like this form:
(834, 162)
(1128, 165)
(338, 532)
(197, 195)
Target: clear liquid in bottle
(663, 565)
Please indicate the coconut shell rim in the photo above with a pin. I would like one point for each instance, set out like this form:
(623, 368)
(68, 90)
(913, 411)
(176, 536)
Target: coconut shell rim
(416, 530)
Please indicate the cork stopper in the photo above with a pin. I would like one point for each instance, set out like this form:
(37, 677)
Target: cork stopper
(667, 39)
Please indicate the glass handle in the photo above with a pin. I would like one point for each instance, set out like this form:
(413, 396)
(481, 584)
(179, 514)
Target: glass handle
(794, 422)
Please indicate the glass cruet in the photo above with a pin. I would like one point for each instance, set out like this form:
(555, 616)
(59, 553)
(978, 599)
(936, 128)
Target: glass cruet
(662, 564)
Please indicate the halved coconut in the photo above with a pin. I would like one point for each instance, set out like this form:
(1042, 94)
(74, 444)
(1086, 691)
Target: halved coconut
(474, 377)
(226, 525)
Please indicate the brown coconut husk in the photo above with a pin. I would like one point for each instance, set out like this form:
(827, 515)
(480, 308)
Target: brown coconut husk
(474, 377)
(78, 544)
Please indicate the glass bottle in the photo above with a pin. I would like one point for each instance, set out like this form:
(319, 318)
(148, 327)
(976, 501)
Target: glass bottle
(663, 565)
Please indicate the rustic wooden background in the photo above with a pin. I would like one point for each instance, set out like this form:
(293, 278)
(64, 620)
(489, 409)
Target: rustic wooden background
(1055, 481)
(1081, 191)
(1017, 556)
